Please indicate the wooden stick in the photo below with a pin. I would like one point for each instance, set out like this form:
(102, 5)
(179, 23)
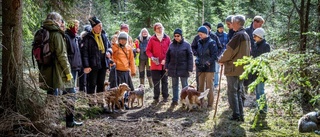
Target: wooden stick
(215, 111)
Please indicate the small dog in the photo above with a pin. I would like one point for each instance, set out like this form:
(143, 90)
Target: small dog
(136, 94)
(99, 98)
(116, 94)
(190, 97)
(309, 122)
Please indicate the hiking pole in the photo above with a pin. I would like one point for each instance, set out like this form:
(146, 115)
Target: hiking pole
(215, 111)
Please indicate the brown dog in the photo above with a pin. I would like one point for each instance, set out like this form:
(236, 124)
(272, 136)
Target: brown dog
(116, 94)
(136, 94)
(190, 97)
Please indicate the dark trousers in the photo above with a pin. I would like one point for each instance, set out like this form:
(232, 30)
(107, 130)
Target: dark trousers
(82, 80)
(96, 78)
(157, 76)
(144, 66)
(234, 91)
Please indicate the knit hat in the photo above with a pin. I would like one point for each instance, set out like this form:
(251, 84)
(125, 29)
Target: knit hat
(207, 24)
(203, 29)
(122, 35)
(259, 32)
(220, 25)
(177, 31)
(94, 21)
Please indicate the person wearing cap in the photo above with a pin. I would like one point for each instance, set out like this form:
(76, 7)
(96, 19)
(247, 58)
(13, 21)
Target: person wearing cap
(179, 63)
(237, 48)
(96, 53)
(156, 50)
(142, 60)
(223, 37)
(260, 47)
(206, 56)
(194, 44)
(124, 59)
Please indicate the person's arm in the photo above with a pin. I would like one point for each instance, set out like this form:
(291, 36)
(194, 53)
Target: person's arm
(190, 58)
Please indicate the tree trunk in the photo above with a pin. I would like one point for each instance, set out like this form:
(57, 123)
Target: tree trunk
(11, 52)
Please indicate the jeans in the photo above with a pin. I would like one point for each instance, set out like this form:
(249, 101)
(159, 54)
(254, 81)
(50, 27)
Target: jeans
(259, 92)
(235, 86)
(175, 86)
(216, 75)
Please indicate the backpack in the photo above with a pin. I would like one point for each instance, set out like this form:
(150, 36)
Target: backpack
(40, 48)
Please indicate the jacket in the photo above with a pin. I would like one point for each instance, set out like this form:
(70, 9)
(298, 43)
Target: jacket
(197, 38)
(124, 58)
(259, 48)
(223, 38)
(237, 47)
(249, 31)
(54, 76)
(158, 49)
(91, 55)
(179, 59)
(73, 50)
(207, 53)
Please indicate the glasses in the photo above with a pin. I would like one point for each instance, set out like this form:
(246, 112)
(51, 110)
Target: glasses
(158, 27)
(257, 21)
(176, 35)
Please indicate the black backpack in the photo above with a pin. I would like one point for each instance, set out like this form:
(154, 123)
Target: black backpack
(41, 49)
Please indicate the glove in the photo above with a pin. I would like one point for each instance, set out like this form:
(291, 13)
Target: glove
(69, 77)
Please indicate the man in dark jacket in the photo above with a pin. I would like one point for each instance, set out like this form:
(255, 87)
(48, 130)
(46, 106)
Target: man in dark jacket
(196, 39)
(237, 48)
(96, 53)
(179, 63)
(206, 56)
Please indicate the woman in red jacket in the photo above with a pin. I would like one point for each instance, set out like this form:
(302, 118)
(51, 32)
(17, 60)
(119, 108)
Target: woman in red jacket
(156, 50)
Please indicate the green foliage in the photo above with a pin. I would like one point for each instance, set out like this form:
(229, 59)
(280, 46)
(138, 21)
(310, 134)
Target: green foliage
(298, 74)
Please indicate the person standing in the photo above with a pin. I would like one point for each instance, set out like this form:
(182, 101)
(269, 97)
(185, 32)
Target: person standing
(156, 50)
(206, 56)
(124, 59)
(96, 53)
(57, 76)
(229, 25)
(179, 63)
(73, 48)
(144, 65)
(223, 38)
(194, 44)
(237, 48)
(83, 76)
(260, 46)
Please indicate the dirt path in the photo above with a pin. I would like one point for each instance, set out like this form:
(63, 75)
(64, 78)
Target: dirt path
(164, 120)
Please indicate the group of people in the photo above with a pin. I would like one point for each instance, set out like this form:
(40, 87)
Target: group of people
(88, 57)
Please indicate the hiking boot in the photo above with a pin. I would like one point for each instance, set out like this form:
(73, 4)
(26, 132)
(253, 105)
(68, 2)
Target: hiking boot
(174, 103)
(155, 102)
(164, 100)
(73, 123)
(236, 119)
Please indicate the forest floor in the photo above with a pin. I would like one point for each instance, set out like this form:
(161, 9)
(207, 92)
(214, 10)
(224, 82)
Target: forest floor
(164, 120)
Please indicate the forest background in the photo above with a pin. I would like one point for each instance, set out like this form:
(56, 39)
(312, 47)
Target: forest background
(292, 29)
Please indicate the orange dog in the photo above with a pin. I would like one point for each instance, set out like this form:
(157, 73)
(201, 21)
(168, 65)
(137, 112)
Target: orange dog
(190, 97)
(136, 94)
(116, 94)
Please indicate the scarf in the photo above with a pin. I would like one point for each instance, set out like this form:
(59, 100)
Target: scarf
(98, 39)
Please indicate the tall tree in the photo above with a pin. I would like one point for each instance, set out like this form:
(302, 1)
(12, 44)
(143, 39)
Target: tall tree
(303, 12)
(11, 52)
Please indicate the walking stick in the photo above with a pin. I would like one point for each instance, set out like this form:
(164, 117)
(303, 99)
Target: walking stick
(215, 111)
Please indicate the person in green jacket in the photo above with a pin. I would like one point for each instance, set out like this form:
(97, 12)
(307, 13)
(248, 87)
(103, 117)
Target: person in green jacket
(57, 76)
